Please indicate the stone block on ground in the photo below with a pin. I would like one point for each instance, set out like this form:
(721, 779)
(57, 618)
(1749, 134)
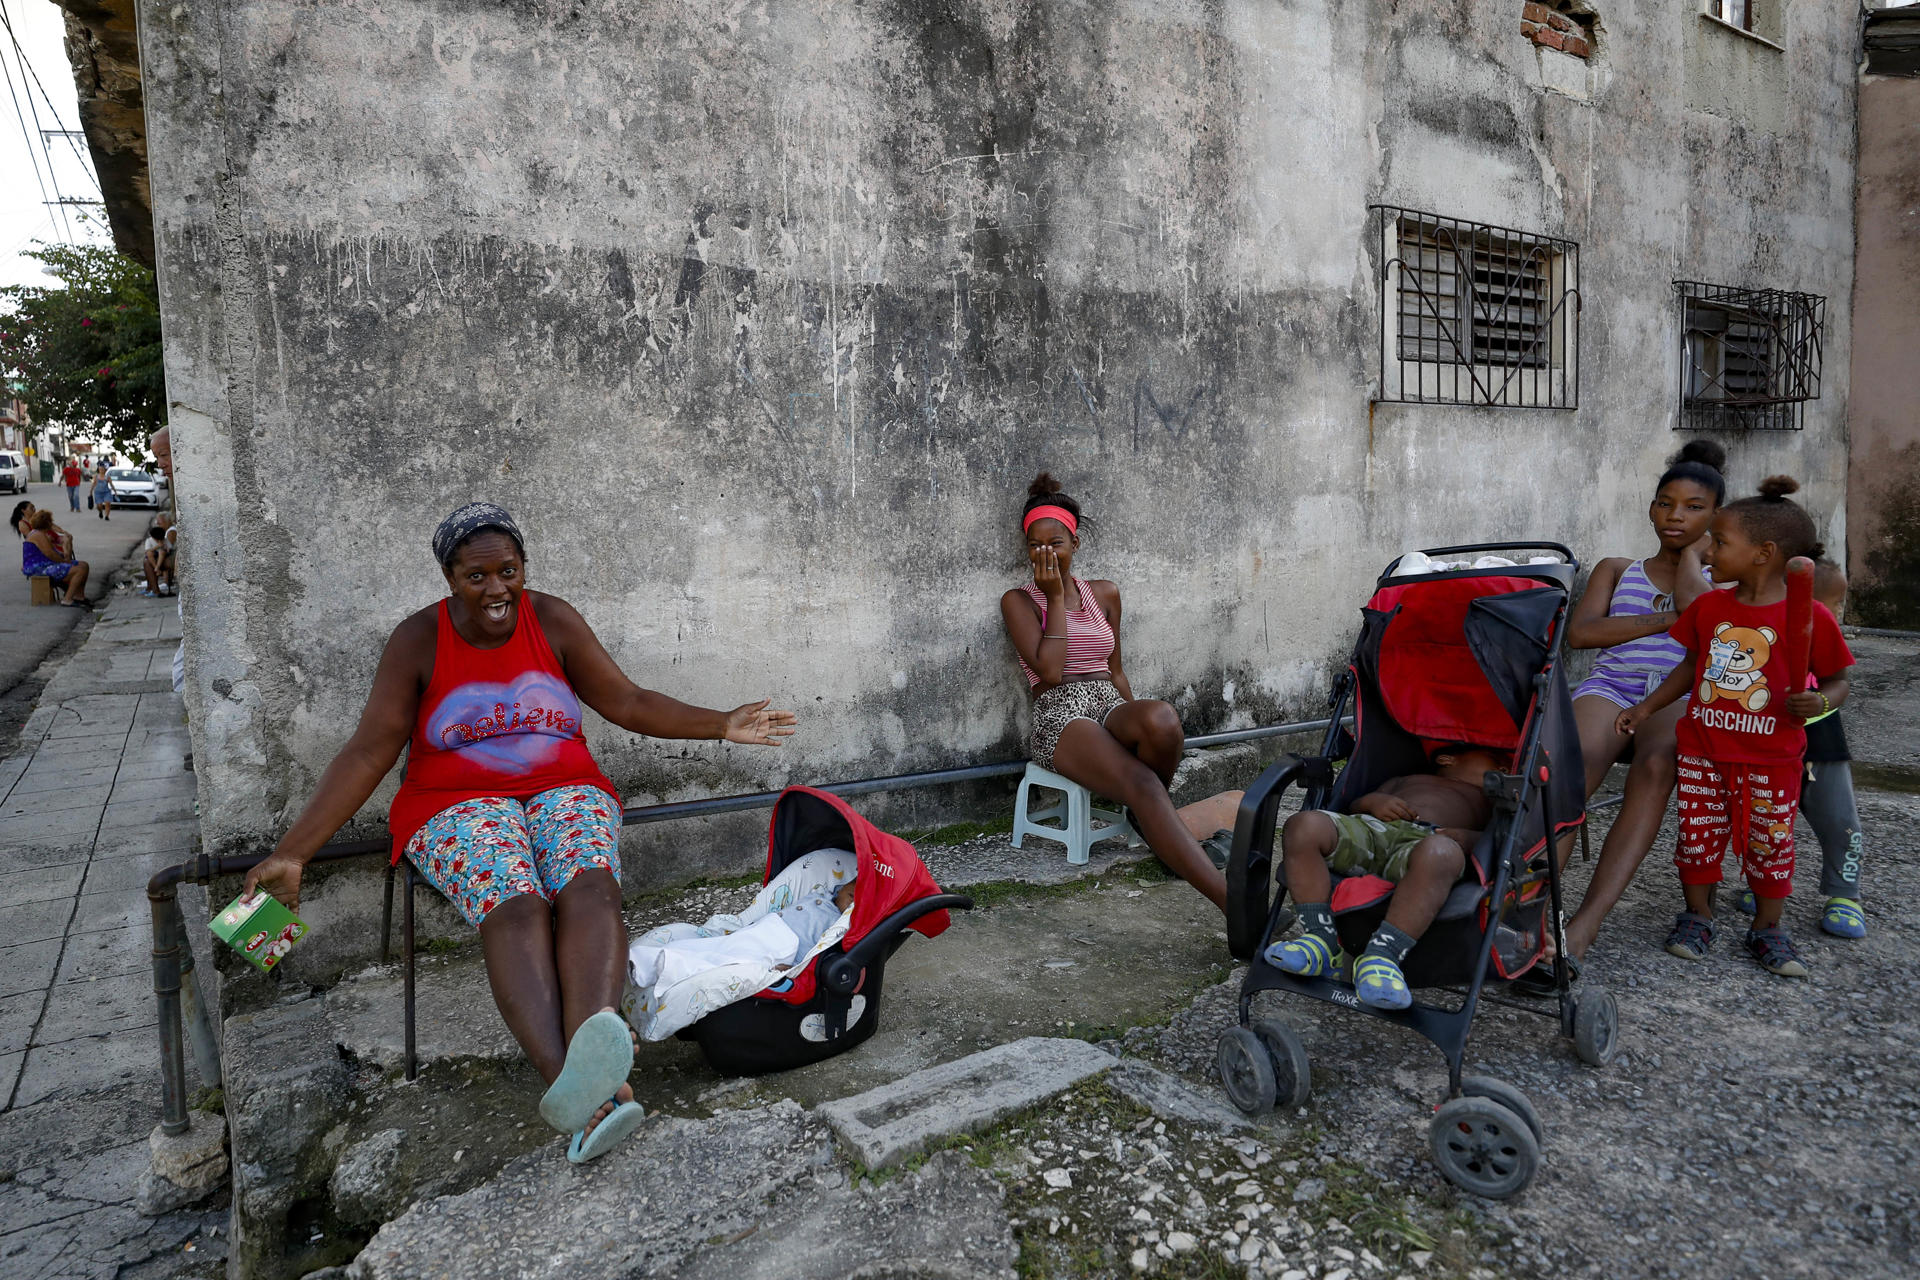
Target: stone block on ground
(1171, 1098)
(894, 1121)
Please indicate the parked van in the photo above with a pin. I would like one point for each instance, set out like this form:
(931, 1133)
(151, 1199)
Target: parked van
(13, 471)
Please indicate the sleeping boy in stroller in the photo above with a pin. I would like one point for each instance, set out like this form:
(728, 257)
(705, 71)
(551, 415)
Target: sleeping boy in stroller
(1414, 831)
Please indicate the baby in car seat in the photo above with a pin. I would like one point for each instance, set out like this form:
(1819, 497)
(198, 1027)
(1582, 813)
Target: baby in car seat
(779, 939)
(1414, 831)
(811, 916)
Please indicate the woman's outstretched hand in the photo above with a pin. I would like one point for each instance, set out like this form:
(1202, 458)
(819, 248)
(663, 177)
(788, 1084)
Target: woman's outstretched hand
(756, 726)
(279, 875)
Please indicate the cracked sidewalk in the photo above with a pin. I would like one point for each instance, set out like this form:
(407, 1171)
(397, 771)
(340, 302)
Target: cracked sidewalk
(94, 797)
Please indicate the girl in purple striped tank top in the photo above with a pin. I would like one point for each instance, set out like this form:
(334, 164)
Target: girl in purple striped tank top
(1087, 725)
(1625, 612)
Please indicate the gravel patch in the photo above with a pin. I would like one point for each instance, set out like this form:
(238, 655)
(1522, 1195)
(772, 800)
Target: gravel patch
(1750, 1125)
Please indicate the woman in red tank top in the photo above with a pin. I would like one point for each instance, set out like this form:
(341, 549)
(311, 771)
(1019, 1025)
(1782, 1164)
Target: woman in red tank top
(1087, 725)
(503, 809)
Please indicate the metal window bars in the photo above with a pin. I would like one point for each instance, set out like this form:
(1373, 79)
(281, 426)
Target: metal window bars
(1476, 314)
(1749, 358)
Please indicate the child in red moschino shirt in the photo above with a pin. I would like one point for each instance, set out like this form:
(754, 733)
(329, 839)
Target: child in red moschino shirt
(1741, 738)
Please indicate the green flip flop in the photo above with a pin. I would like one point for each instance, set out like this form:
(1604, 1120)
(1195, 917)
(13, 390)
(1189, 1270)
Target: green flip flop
(606, 1135)
(599, 1059)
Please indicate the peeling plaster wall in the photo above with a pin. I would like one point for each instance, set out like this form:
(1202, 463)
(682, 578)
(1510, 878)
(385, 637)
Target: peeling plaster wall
(760, 317)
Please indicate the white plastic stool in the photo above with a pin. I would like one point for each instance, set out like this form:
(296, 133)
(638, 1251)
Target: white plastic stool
(1082, 824)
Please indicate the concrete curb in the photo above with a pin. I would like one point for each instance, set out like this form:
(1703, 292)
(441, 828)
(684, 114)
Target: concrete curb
(895, 1121)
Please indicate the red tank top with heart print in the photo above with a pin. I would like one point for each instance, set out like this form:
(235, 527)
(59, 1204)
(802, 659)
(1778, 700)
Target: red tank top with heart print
(493, 722)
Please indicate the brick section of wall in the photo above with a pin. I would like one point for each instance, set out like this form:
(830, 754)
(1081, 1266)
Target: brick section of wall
(1555, 30)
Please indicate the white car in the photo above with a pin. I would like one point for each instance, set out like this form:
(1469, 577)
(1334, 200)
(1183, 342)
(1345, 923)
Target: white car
(133, 487)
(13, 472)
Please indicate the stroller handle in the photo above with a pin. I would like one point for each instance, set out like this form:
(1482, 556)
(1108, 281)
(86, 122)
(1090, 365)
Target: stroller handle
(842, 973)
(1566, 552)
(1563, 572)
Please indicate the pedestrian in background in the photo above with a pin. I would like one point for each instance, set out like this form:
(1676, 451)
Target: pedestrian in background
(71, 475)
(102, 494)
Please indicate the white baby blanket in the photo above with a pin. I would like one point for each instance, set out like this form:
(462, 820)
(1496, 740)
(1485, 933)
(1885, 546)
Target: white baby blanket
(679, 973)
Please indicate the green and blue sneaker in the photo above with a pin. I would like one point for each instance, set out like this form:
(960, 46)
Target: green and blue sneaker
(1308, 955)
(1380, 984)
(1843, 918)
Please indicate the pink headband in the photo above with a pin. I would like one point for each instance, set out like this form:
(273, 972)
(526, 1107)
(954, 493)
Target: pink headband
(1061, 514)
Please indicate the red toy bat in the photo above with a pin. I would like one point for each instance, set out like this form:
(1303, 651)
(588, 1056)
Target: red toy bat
(1799, 635)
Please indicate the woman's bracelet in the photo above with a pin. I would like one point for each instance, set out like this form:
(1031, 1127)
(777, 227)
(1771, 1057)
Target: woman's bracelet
(1048, 636)
(1826, 705)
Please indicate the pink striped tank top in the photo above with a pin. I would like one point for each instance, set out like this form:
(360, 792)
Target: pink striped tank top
(1089, 636)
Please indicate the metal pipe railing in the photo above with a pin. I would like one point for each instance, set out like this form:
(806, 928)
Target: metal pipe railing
(175, 990)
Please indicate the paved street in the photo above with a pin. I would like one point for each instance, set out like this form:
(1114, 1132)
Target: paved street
(93, 799)
(27, 633)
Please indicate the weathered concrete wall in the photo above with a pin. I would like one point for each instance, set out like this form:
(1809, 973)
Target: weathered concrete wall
(1883, 498)
(761, 316)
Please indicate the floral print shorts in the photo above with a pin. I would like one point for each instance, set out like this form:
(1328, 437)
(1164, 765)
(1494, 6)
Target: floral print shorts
(1059, 706)
(481, 852)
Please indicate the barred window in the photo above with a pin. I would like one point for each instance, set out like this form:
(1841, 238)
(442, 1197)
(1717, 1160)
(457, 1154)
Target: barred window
(1476, 314)
(1749, 358)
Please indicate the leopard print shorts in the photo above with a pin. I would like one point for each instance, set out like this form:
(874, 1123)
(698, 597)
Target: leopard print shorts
(1053, 710)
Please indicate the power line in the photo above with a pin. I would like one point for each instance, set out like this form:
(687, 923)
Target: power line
(86, 164)
(52, 178)
(25, 135)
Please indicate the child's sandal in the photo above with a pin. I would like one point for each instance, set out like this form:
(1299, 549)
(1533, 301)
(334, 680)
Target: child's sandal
(1774, 952)
(1692, 936)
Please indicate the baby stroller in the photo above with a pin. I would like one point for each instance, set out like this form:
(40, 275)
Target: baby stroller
(842, 986)
(1467, 655)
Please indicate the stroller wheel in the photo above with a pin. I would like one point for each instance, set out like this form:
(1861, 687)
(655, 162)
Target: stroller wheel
(1507, 1096)
(1484, 1148)
(1292, 1074)
(1246, 1072)
(1596, 1026)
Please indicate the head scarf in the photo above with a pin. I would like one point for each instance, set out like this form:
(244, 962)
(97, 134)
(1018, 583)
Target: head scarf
(465, 521)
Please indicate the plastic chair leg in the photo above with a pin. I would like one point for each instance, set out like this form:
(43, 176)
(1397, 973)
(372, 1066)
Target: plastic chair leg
(1079, 826)
(1020, 801)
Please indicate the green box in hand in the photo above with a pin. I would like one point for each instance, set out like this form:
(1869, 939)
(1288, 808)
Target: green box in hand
(259, 928)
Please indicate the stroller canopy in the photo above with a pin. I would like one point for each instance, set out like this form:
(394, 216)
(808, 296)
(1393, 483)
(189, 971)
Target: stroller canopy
(1453, 658)
(890, 874)
(1457, 657)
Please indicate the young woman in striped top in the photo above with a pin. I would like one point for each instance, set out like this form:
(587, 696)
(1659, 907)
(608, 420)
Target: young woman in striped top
(1625, 613)
(1087, 725)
